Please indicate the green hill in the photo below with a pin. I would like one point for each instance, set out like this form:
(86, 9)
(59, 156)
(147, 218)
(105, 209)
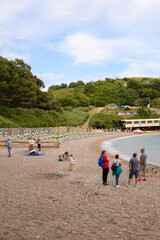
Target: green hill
(19, 117)
(24, 104)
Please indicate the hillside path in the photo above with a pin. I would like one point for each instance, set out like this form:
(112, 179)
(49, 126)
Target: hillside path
(93, 111)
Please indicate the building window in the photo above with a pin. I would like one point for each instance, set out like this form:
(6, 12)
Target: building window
(128, 122)
(149, 122)
(143, 122)
(136, 122)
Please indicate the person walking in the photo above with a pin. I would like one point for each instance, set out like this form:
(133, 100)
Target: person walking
(39, 144)
(9, 145)
(118, 171)
(105, 168)
(134, 168)
(143, 165)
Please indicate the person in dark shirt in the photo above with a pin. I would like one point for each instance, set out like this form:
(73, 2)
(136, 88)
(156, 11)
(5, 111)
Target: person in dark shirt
(134, 168)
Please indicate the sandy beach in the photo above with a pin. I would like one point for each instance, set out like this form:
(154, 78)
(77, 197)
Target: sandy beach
(41, 199)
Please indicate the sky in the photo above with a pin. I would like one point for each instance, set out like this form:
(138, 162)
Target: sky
(69, 40)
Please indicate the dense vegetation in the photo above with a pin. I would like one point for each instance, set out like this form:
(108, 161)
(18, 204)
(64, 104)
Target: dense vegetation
(20, 88)
(132, 91)
(20, 117)
(104, 120)
(22, 100)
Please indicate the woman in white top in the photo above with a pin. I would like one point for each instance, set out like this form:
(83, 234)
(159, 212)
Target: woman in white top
(118, 170)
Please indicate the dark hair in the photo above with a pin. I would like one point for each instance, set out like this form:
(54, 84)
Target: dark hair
(117, 156)
(103, 152)
(134, 154)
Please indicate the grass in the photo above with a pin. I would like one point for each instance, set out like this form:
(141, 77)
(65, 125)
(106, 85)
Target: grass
(103, 119)
(22, 117)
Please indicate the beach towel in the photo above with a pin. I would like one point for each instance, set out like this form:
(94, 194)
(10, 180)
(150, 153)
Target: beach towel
(34, 155)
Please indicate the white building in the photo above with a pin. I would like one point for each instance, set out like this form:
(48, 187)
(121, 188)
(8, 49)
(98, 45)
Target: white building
(133, 124)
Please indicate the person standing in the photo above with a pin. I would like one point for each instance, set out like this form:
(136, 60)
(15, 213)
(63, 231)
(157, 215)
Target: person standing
(143, 165)
(118, 171)
(39, 144)
(31, 143)
(134, 168)
(9, 145)
(105, 167)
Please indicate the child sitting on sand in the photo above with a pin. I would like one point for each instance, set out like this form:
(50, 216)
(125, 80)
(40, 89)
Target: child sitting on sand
(33, 152)
(66, 155)
(61, 159)
(71, 158)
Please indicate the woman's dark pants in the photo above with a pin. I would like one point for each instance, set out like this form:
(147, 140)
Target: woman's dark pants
(105, 174)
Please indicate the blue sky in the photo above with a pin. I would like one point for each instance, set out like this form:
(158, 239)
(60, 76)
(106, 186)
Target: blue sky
(69, 40)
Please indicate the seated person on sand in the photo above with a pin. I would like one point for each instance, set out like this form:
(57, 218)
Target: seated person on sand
(61, 158)
(33, 152)
(65, 155)
(71, 158)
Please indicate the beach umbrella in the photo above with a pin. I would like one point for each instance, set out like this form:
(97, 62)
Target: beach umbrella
(24, 134)
(37, 133)
(12, 134)
(6, 134)
(18, 135)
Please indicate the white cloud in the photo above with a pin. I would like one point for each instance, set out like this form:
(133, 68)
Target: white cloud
(88, 49)
(50, 79)
(141, 69)
(34, 19)
(50, 76)
(12, 55)
(90, 31)
(128, 13)
(85, 48)
(10, 9)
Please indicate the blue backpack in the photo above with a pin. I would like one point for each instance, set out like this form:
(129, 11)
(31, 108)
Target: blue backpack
(100, 161)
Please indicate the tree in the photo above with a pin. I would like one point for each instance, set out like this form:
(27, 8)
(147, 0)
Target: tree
(89, 88)
(134, 84)
(80, 83)
(145, 102)
(43, 101)
(156, 103)
(69, 101)
(83, 100)
(19, 87)
(144, 112)
(128, 96)
(63, 85)
(54, 87)
(72, 85)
